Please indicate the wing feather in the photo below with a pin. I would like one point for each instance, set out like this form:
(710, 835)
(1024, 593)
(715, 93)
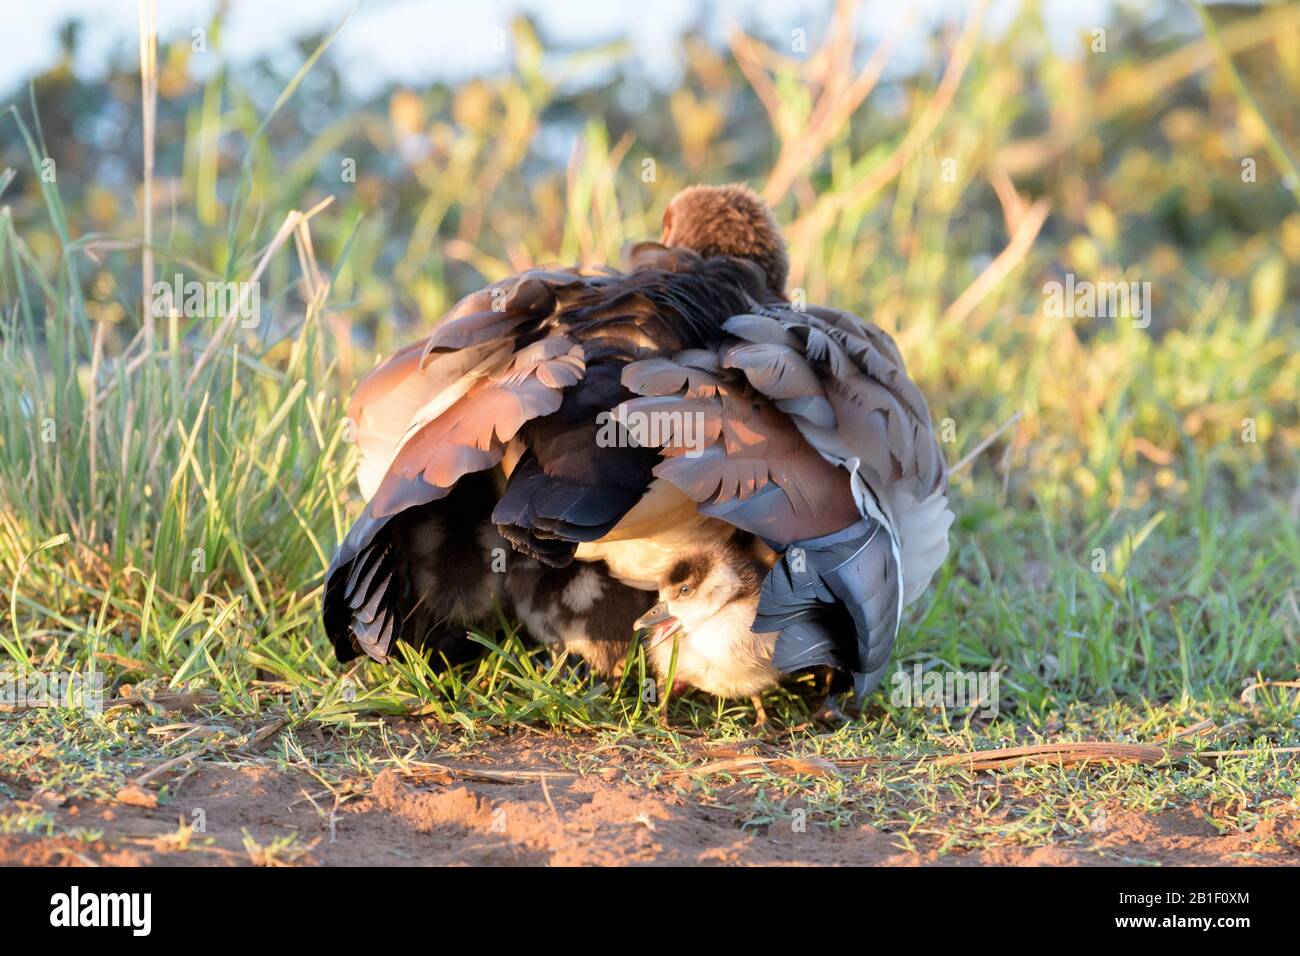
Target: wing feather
(875, 421)
(738, 456)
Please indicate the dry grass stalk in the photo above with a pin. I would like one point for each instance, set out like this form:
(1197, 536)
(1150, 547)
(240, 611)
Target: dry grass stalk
(148, 15)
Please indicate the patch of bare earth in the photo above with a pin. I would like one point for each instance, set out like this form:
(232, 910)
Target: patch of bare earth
(513, 804)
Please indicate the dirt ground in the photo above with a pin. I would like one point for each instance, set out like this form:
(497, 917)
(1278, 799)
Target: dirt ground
(515, 803)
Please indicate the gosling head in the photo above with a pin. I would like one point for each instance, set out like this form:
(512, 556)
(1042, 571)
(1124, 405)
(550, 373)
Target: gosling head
(700, 585)
(728, 221)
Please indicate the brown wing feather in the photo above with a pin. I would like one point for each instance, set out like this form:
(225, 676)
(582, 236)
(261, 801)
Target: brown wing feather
(724, 444)
(404, 392)
(879, 415)
(473, 433)
(876, 415)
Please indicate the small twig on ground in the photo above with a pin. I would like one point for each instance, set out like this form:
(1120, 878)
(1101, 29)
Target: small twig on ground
(483, 774)
(246, 740)
(1204, 727)
(546, 792)
(1064, 753)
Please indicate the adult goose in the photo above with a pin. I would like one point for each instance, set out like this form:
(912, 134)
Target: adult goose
(632, 417)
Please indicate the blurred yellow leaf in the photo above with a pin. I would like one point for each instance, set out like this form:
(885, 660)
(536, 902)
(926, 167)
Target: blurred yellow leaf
(1086, 481)
(1268, 287)
(174, 77)
(406, 113)
(697, 124)
(1290, 235)
(102, 206)
(528, 49)
(1102, 223)
(472, 105)
(1084, 258)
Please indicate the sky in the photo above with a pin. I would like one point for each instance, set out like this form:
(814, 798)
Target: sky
(414, 41)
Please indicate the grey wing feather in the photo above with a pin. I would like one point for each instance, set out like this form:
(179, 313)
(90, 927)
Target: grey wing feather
(835, 601)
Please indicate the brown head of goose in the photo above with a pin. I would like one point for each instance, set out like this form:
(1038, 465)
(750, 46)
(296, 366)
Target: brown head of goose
(728, 221)
(734, 412)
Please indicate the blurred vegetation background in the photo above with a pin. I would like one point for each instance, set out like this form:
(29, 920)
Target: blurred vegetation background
(936, 202)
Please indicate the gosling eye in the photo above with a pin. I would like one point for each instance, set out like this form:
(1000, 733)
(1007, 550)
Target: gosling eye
(684, 590)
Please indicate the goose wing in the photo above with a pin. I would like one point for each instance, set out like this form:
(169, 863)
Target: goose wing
(804, 428)
(734, 453)
(845, 388)
(512, 383)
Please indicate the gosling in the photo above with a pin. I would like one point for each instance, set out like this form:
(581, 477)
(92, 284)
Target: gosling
(707, 603)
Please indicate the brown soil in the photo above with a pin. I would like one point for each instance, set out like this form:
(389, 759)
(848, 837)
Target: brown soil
(514, 804)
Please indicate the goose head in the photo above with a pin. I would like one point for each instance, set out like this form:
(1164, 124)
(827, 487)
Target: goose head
(728, 221)
(703, 585)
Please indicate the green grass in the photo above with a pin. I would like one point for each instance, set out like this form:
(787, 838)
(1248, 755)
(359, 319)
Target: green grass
(1124, 557)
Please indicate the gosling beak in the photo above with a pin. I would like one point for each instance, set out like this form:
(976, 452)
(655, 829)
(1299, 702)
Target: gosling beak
(664, 624)
(656, 615)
